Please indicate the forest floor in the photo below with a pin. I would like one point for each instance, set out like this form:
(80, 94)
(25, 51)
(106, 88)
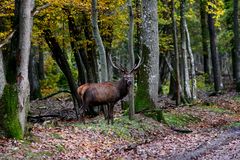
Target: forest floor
(210, 129)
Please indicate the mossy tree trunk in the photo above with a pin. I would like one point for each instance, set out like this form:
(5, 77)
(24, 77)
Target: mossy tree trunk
(15, 101)
(147, 90)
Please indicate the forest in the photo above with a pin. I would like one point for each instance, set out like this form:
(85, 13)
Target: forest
(120, 79)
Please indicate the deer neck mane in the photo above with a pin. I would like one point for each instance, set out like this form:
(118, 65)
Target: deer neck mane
(123, 87)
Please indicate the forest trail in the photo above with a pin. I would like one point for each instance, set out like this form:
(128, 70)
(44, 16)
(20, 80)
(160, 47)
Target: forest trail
(214, 133)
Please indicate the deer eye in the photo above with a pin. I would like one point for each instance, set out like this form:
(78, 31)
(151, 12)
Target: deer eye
(129, 82)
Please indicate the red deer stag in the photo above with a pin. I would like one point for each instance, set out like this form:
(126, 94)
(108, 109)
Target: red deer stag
(107, 93)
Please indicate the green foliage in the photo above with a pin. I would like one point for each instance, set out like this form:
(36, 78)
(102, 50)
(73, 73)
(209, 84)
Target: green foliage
(11, 120)
(202, 83)
(156, 115)
(179, 120)
(122, 127)
(214, 108)
(165, 88)
(234, 124)
(52, 77)
(236, 98)
(57, 136)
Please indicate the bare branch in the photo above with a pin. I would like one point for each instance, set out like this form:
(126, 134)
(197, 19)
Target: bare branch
(4, 42)
(38, 9)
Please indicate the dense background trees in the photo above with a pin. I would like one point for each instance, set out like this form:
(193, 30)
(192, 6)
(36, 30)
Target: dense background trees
(72, 40)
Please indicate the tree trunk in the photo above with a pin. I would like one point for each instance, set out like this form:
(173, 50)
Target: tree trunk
(147, 91)
(15, 100)
(192, 64)
(184, 51)
(2, 74)
(236, 52)
(35, 91)
(62, 62)
(102, 53)
(204, 37)
(79, 54)
(40, 64)
(214, 55)
(132, 59)
(177, 70)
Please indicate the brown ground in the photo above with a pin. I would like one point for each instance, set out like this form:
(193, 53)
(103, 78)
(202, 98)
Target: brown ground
(61, 138)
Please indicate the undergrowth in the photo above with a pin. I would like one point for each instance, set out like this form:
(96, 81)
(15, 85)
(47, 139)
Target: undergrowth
(179, 120)
(122, 127)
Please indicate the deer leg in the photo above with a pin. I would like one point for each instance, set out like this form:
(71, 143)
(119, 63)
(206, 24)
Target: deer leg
(111, 112)
(108, 113)
(83, 107)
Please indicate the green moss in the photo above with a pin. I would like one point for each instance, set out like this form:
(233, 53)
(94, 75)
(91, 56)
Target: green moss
(216, 109)
(179, 120)
(11, 122)
(122, 127)
(156, 115)
(143, 100)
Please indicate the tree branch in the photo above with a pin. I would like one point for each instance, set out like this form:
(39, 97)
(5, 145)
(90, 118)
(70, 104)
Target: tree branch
(4, 42)
(38, 9)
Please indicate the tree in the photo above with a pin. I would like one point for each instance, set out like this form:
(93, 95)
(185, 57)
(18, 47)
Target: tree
(214, 54)
(177, 70)
(184, 59)
(131, 57)
(204, 32)
(102, 53)
(236, 52)
(15, 100)
(147, 89)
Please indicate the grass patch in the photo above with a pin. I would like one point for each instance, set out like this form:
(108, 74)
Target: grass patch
(237, 98)
(233, 124)
(122, 127)
(179, 120)
(56, 136)
(216, 109)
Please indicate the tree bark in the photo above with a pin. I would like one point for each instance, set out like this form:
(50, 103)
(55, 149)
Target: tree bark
(177, 70)
(61, 60)
(236, 52)
(204, 32)
(40, 63)
(79, 55)
(35, 91)
(102, 53)
(132, 59)
(184, 51)
(214, 55)
(147, 91)
(192, 64)
(2, 74)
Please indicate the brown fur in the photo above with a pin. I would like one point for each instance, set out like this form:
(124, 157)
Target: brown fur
(106, 93)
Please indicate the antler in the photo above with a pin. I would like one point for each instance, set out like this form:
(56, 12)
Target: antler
(119, 67)
(137, 65)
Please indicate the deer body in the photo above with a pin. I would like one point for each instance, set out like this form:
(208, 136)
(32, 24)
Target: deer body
(107, 93)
